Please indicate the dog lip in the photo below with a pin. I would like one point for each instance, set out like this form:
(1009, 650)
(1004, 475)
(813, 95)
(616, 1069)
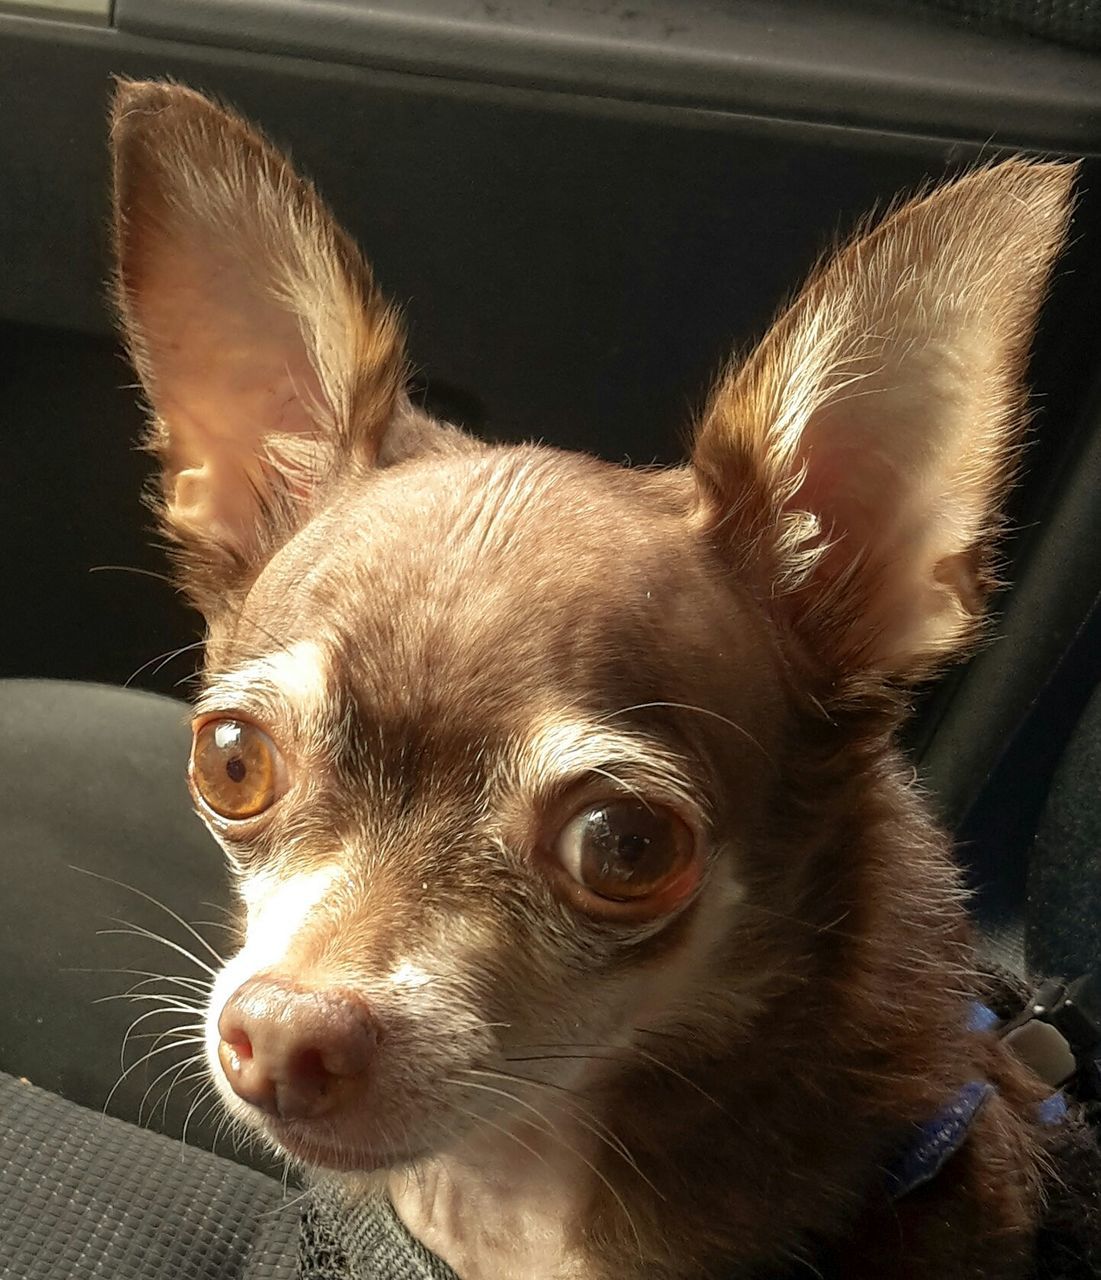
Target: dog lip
(300, 1140)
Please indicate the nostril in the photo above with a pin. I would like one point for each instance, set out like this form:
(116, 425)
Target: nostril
(234, 1055)
(295, 1051)
(342, 1047)
(238, 1048)
(241, 1046)
(232, 1027)
(248, 1079)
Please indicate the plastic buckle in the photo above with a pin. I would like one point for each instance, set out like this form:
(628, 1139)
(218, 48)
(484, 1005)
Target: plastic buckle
(1058, 1035)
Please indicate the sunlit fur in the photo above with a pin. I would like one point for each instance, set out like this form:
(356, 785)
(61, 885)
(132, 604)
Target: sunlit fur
(452, 644)
(866, 443)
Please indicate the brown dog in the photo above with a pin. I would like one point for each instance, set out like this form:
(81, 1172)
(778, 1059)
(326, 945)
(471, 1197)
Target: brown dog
(588, 904)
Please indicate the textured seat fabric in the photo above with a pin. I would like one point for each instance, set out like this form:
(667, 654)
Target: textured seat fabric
(362, 1240)
(84, 1195)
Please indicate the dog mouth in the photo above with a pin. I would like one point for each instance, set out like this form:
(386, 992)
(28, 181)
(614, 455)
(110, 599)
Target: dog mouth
(320, 1148)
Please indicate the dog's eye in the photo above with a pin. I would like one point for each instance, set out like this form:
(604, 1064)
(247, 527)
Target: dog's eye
(624, 850)
(234, 768)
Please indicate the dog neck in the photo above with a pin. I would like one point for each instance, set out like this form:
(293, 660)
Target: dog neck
(503, 1208)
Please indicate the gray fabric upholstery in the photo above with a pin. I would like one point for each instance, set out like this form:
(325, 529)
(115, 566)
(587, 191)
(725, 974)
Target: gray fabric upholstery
(362, 1240)
(84, 1195)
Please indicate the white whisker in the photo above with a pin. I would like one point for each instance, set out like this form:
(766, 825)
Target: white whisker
(688, 706)
(136, 931)
(156, 903)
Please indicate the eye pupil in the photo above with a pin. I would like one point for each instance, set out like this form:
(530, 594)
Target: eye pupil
(618, 851)
(234, 767)
(626, 849)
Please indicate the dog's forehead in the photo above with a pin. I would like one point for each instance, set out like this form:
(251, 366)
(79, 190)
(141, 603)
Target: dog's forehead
(504, 509)
(447, 551)
(489, 591)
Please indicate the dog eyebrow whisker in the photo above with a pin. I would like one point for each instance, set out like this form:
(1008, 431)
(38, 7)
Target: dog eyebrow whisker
(703, 711)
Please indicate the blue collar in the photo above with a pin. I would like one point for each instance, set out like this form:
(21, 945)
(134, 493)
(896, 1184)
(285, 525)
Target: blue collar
(938, 1139)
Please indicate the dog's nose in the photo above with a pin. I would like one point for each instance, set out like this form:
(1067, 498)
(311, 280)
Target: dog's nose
(294, 1053)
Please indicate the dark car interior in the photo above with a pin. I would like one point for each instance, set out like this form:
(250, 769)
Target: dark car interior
(582, 206)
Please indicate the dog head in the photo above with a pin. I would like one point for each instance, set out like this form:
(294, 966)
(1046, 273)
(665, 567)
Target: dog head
(504, 745)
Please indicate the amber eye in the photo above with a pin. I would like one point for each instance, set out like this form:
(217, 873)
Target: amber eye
(625, 850)
(234, 767)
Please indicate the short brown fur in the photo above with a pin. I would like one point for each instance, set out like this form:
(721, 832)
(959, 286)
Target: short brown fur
(744, 625)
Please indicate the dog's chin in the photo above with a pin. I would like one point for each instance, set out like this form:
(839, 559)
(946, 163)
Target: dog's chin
(306, 1144)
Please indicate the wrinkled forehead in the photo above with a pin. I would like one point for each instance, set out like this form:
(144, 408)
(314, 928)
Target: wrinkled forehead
(447, 551)
(521, 588)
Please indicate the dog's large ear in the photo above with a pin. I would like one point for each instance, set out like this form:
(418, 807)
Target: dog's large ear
(861, 452)
(267, 354)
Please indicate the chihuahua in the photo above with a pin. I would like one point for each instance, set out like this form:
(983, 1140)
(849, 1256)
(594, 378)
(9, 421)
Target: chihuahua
(591, 918)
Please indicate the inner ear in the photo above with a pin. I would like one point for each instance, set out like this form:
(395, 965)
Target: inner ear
(268, 355)
(860, 453)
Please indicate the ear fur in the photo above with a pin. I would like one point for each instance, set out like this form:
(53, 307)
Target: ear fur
(265, 349)
(861, 451)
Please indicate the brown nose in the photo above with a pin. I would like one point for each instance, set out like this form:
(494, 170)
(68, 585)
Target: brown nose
(294, 1053)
